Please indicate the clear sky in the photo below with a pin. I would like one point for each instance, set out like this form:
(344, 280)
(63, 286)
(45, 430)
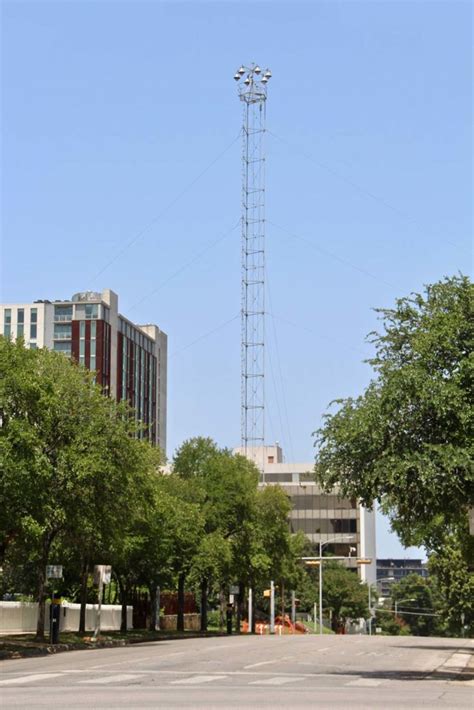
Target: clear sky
(118, 125)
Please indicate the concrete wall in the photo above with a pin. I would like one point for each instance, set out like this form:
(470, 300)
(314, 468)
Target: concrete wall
(21, 617)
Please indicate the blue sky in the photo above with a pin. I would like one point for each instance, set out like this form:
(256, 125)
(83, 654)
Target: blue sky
(111, 112)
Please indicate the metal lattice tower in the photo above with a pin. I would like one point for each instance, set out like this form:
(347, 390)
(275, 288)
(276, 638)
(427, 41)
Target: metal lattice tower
(253, 94)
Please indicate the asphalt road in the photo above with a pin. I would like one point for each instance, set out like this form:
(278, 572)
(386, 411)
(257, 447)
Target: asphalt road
(249, 672)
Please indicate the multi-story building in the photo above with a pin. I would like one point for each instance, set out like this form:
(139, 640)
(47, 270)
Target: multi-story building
(130, 361)
(390, 571)
(340, 525)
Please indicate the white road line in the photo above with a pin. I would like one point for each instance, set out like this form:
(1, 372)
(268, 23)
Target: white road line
(118, 678)
(142, 659)
(365, 683)
(266, 663)
(278, 680)
(28, 678)
(196, 679)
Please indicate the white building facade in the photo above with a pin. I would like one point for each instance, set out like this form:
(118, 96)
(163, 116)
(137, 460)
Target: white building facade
(340, 525)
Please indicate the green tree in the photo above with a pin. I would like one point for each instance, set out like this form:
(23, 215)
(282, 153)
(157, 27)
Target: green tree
(224, 486)
(417, 605)
(69, 458)
(344, 595)
(407, 442)
(450, 567)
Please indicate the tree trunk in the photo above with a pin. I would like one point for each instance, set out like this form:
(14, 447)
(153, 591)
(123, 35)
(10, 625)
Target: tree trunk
(222, 609)
(240, 604)
(41, 602)
(83, 597)
(153, 607)
(41, 586)
(180, 619)
(254, 608)
(204, 605)
(123, 601)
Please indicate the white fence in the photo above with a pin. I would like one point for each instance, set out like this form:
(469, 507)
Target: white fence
(21, 617)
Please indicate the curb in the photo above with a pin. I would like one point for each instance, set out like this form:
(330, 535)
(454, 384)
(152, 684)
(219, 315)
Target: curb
(30, 651)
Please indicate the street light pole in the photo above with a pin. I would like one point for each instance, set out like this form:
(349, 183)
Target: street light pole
(368, 561)
(272, 607)
(320, 589)
(370, 611)
(400, 601)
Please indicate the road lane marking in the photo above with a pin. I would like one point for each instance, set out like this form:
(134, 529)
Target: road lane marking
(28, 678)
(141, 660)
(117, 678)
(278, 680)
(196, 679)
(365, 683)
(266, 663)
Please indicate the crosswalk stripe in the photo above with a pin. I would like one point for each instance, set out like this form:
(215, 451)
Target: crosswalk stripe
(195, 679)
(28, 678)
(365, 682)
(277, 680)
(119, 678)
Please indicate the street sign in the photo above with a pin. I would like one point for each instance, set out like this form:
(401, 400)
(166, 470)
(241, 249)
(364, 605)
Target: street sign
(102, 573)
(234, 589)
(266, 592)
(54, 571)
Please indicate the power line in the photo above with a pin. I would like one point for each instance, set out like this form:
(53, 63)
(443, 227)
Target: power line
(413, 613)
(332, 255)
(205, 335)
(277, 399)
(170, 204)
(282, 386)
(362, 190)
(318, 334)
(187, 264)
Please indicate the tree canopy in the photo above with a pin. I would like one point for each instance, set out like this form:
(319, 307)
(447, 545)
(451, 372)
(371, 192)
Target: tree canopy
(407, 441)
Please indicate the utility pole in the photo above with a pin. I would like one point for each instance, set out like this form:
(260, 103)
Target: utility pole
(250, 614)
(253, 95)
(272, 607)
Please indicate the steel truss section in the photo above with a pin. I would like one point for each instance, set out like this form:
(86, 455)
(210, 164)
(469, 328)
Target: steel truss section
(253, 95)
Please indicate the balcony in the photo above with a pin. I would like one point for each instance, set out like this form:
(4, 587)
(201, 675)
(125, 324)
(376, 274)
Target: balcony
(63, 318)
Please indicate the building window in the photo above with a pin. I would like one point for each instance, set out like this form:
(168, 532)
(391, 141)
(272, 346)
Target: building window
(62, 331)
(33, 346)
(33, 322)
(7, 327)
(20, 323)
(92, 310)
(271, 459)
(60, 347)
(82, 343)
(92, 365)
(62, 313)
